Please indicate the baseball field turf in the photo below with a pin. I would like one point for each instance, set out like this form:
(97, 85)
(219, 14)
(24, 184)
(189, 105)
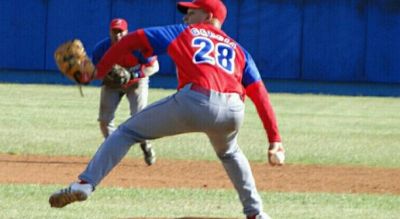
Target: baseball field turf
(342, 160)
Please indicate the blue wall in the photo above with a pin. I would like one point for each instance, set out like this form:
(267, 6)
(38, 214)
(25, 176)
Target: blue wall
(23, 27)
(312, 40)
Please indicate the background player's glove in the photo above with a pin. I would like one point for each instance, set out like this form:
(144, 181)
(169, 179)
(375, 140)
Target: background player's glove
(276, 154)
(73, 62)
(120, 77)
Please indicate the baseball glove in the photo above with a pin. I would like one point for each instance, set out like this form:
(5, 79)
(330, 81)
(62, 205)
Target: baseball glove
(73, 62)
(120, 77)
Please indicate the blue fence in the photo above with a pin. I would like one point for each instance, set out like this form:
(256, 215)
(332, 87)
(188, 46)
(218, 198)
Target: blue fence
(312, 40)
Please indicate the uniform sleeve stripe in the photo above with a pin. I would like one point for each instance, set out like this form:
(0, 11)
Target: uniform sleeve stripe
(251, 73)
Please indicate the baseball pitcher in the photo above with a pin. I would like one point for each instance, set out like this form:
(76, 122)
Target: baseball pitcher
(214, 74)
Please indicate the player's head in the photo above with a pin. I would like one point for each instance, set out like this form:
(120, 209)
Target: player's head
(198, 11)
(118, 29)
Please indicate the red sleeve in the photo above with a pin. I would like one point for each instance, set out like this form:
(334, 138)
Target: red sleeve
(131, 42)
(260, 97)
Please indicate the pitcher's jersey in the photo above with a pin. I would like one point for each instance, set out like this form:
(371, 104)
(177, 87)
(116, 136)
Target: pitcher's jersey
(204, 55)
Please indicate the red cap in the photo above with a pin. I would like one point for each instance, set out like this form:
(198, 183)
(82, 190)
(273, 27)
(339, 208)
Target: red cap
(216, 7)
(119, 23)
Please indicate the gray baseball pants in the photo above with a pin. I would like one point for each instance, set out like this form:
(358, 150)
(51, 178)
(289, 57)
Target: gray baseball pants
(218, 115)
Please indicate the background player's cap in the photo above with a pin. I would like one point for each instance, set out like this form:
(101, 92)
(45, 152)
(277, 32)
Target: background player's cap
(119, 23)
(216, 7)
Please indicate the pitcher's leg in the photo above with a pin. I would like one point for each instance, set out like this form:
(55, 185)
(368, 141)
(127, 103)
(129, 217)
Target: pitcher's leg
(165, 117)
(109, 154)
(223, 136)
(157, 120)
(239, 171)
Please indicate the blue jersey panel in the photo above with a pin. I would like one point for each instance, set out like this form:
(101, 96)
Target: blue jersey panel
(251, 73)
(161, 37)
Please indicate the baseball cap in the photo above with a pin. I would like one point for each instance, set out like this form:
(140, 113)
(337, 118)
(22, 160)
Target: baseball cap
(216, 7)
(119, 23)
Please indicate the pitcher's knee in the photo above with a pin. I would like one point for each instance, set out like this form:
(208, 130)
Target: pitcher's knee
(227, 154)
(126, 131)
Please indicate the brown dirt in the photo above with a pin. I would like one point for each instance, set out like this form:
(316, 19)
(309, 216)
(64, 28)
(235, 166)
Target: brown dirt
(133, 173)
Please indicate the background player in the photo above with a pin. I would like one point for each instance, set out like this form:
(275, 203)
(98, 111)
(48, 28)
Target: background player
(214, 74)
(136, 92)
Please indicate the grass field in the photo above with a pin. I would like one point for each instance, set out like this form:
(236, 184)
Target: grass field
(316, 129)
(30, 201)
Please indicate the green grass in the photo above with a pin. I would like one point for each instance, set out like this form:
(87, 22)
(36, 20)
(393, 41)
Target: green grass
(30, 201)
(316, 129)
(340, 129)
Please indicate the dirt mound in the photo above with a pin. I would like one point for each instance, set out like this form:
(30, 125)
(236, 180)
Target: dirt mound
(133, 173)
